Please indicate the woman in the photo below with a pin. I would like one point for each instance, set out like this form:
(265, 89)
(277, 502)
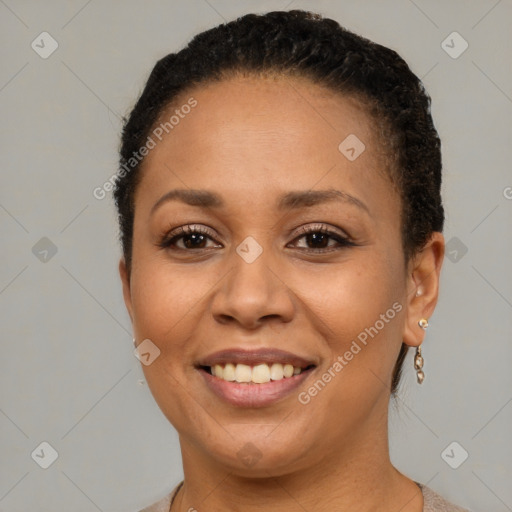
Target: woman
(280, 213)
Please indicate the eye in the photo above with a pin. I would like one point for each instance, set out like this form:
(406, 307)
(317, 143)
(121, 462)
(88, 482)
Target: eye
(318, 235)
(193, 237)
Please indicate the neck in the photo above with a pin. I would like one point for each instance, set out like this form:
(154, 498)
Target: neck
(357, 477)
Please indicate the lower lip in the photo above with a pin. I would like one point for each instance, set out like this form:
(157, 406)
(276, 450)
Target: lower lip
(254, 395)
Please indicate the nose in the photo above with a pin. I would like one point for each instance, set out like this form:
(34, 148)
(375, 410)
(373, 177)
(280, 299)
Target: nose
(252, 294)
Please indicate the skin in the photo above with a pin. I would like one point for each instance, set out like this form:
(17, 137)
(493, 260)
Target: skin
(251, 139)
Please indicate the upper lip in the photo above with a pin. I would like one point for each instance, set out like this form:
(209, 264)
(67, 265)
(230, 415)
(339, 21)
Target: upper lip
(254, 357)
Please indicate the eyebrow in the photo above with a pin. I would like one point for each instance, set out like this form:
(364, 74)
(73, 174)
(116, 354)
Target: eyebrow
(288, 201)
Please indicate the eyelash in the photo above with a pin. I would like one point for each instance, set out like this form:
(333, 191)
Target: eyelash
(169, 239)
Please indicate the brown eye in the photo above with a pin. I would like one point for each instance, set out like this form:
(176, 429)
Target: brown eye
(317, 239)
(192, 237)
(192, 241)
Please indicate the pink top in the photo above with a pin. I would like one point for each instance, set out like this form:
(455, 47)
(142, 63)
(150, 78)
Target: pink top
(432, 502)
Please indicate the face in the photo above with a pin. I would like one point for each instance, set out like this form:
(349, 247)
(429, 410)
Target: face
(292, 256)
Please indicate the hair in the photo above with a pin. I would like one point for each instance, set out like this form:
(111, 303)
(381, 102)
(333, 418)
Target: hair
(304, 44)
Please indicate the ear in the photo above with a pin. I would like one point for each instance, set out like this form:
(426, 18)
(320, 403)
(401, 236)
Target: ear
(125, 280)
(423, 275)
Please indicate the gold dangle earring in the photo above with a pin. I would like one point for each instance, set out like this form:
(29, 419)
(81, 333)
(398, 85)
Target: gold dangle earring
(418, 358)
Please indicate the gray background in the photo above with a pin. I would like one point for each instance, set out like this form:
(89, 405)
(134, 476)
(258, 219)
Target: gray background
(68, 373)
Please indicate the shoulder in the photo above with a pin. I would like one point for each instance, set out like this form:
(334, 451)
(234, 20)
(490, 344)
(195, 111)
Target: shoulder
(164, 504)
(433, 502)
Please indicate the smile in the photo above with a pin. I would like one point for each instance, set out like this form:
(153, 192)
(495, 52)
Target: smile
(259, 374)
(255, 378)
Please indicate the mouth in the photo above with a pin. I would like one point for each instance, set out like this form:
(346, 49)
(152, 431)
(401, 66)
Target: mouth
(258, 374)
(254, 378)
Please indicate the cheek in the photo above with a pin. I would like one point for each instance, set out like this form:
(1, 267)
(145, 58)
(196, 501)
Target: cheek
(166, 306)
(169, 304)
(162, 297)
(359, 309)
(353, 295)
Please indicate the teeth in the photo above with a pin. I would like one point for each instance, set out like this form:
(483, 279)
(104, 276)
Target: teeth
(261, 374)
(243, 373)
(258, 374)
(219, 371)
(276, 371)
(229, 372)
(288, 370)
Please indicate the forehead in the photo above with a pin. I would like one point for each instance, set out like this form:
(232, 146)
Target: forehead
(251, 135)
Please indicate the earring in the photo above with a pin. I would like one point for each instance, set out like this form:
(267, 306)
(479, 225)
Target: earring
(418, 358)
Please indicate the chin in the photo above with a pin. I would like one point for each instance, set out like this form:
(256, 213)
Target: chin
(252, 451)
